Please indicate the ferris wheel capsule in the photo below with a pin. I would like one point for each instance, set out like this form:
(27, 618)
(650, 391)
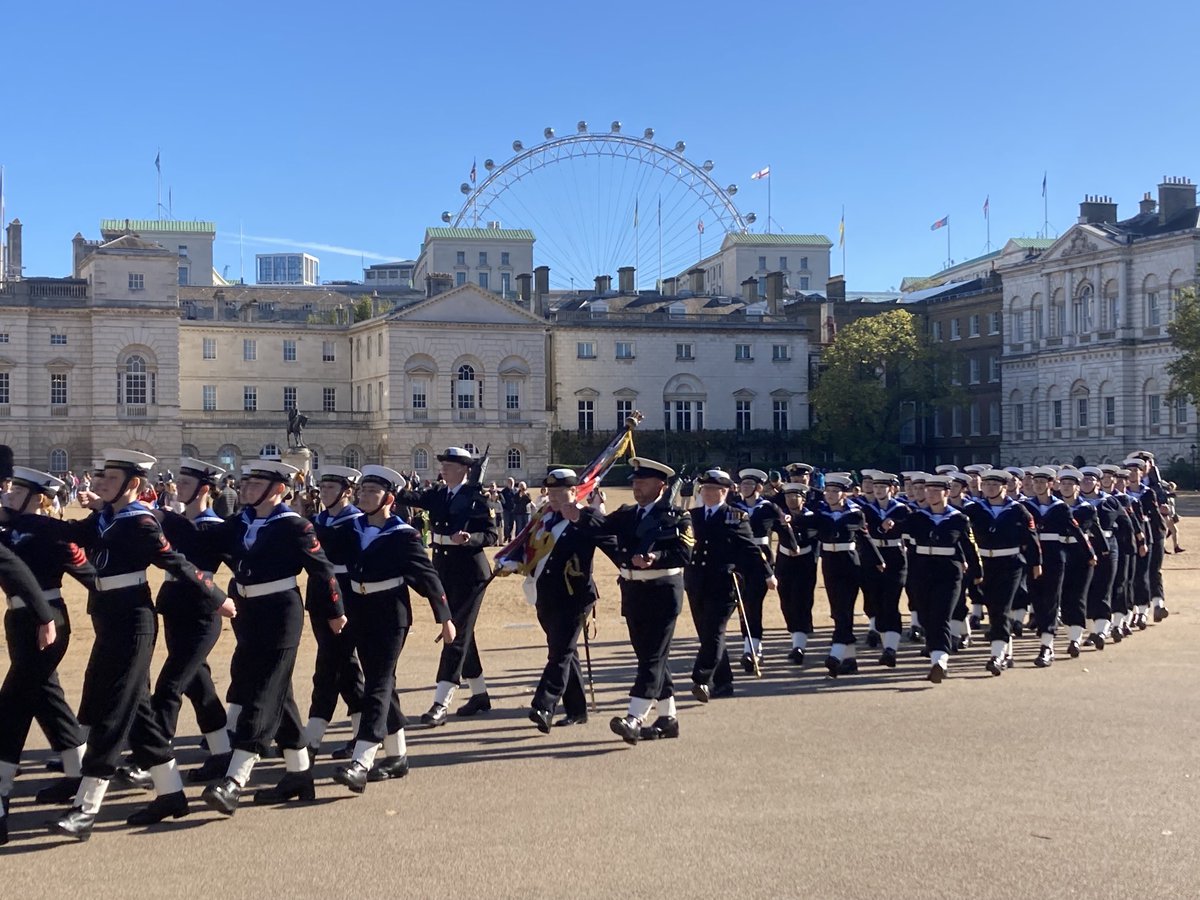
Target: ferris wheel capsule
(731, 190)
(582, 127)
(616, 127)
(648, 134)
(518, 146)
(447, 217)
(465, 188)
(489, 164)
(708, 165)
(680, 146)
(549, 134)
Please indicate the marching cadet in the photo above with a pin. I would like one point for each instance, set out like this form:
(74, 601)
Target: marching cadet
(943, 553)
(765, 518)
(845, 547)
(123, 538)
(461, 525)
(1115, 528)
(1144, 502)
(914, 489)
(1132, 544)
(885, 585)
(801, 473)
(386, 558)
(1157, 514)
(796, 569)
(652, 543)
(38, 631)
(565, 596)
(336, 670)
(1054, 524)
(1081, 560)
(1006, 539)
(959, 497)
(866, 496)
(270, 545)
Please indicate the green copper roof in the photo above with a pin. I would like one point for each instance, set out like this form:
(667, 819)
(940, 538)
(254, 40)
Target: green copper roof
(157, 225)
(1033, 243)
(803, 240)
(480, 234)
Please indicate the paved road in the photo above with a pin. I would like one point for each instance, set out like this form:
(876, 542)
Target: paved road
(1080, 781)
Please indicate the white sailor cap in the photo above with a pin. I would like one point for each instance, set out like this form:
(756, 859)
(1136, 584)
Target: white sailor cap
(800, 489)
(343, 474)
(886, 477)
(648, 468)
(963, 478)
(1015, 471)
(869, 473)
(798, 468)
(389, 478)
(937, 481)
(201, 470)
(945, 469)
(840, 480)
(1000, 475)
(1070, 472)
(908, 476)
(754, 474)
(1135, 462)
(977, 468)
(1109, 468)
(1123, 473)
(1094, 471)
(129, 460)
(1147, 455)
(716, 476)
(269, 470)
(919, 477)
(42, 482)
(560, 478)
(1042, 472)
(457, 455)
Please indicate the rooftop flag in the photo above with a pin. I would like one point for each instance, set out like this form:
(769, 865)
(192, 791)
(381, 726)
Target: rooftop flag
(761, 173)
(472, 171)
(700, 226)
(987, 205)
(940, 223)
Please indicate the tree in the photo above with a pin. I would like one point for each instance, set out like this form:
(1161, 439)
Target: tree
(878, 371)
(1185, 335)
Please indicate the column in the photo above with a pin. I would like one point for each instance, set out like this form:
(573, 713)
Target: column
(1068, 304)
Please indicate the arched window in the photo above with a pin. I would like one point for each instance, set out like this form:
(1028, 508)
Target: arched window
(1081, 311)
(352, 458)
(316, 459)
(58, 460)
(420, 459)
(190, 450)
(465, 388)
(268, 450)
(137, 383)
(228, 456)
(471, 448)
(514, 458)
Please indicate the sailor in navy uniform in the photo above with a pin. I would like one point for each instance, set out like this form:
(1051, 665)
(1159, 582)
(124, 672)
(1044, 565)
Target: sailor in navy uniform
(566, 594)
(884, 587)
(1131, 543)
(724, 547)
(796, 569)
(652, 542)
(943, 552)
(1054, 525)
(845, 546)
(461, 524)
(122, 538)
(1115, 529)
(914, 499)
(959, 497)
(1007, 544)
(801, 473)
(765, 518)
(336, 669)
(1149, 491)
(1080, 560)
(270, 545)
(37, 630)
(386, 557)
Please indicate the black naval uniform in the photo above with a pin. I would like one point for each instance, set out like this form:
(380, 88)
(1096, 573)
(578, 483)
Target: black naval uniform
(765, 518)
(1130, 541)
(1149, 498)
(1006, 539)
(881, 590)
(1054, 523)
(1080, 559)
(724, 547)
(796, 570)
(463, 568)
(845, 548)
(1112, 522)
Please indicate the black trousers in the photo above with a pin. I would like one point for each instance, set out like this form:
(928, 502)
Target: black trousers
(1077, 577)
(190, 637)
(797, 585)
(1141, 579)
(754, 592)
(381, 625)
(1045, 593)
(941, 578)
(1154, 570)
(1122, 590)
(650, 609)
(31, 689)
(842, 578)
(268, 634)
(1100, 590)
(562, 678)
(336, 670)
(884, 588)
(1002, 577)
(712, 602)
(464, 576)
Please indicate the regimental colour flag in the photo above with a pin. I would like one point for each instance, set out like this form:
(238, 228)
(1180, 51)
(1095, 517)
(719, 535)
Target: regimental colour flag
(158, 161)
(761, 173)
(842, 231)
(987, 205)
(1044, 184)
(940, 223)
(700, 226)
(472, 171)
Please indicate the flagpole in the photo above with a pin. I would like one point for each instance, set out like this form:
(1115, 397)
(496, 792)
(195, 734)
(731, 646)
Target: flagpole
(1045, 210)
(158, 166)
(988, 218)
(637, 245)
(768, 202)
(842, 241)
(949, 262)
(660, 242)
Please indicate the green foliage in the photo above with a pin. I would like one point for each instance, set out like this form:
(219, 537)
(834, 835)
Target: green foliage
(875, 369)
(1185, 334)
(363, 309)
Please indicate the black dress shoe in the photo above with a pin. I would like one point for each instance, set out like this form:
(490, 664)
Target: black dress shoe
(888, 658)
(721, 690)
(1098, 641)
(4, 822)
(1117, 634)
(748, 663)
(627, 728)
(1045, 658)
(995, 665)
(353, 776)
(223, 796)
(292, 786)
(1160, 613)
(132, 776)
(1073, 649)
(346, 751)
(1140, 622)
(167, 806)
(1089, 640)
(1018, 629)
(211, 769)
(796, 656)
(1126, 629)
(699, 691)
(873, 640)
(849, 666)
(435, 717)
(580, 719)
(541, 718)
(936, 674)
(975, 622)
(664, 727)
(833, 665)
(76, 823)
(1009, 662)
(54, 764)
(391, 767)
(476, 704)
(63, 790)
(955, 644)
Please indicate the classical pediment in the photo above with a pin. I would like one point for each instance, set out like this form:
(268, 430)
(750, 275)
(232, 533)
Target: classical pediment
(1079, 240)
(468, 305)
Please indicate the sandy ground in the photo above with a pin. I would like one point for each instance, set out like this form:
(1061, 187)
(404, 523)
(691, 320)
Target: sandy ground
(1078, 781)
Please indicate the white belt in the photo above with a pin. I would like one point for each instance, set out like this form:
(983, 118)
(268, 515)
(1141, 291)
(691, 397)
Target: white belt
(16, 602)
(1003, 551)
(936, 551)
(884, 542)
(374, 587)
(169, 576)
(267, 587)
(1070, 540)
(1049, 536)
(445, 539)
(762, 541)
(116, 582)
(340, 570)
(1107, 534)
(648, 574)
(788, 551)
(837, 548)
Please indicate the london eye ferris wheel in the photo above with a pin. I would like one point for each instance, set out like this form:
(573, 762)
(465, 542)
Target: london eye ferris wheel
(597, 201)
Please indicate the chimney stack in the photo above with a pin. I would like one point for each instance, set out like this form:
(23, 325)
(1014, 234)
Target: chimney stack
(670, 286)
(696, 276)
(625, 280)
(1097, 210)
(835, 288)
(1174, 196)
(1148, 204)
(775, 292)
(437, 283)
(14, 252)
(750, 290)
(523, 288)
(603, 285)
(78, 252)
(541, 287)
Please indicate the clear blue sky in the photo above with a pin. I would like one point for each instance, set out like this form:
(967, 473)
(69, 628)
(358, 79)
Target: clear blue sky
(353, 125)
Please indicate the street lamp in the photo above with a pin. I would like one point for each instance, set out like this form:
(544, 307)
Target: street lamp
(1194, 484)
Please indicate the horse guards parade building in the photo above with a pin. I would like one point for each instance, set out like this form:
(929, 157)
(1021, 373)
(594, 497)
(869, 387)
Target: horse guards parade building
(1063, 344)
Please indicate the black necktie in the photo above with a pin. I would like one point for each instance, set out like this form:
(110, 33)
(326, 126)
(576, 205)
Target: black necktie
(641, 513)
